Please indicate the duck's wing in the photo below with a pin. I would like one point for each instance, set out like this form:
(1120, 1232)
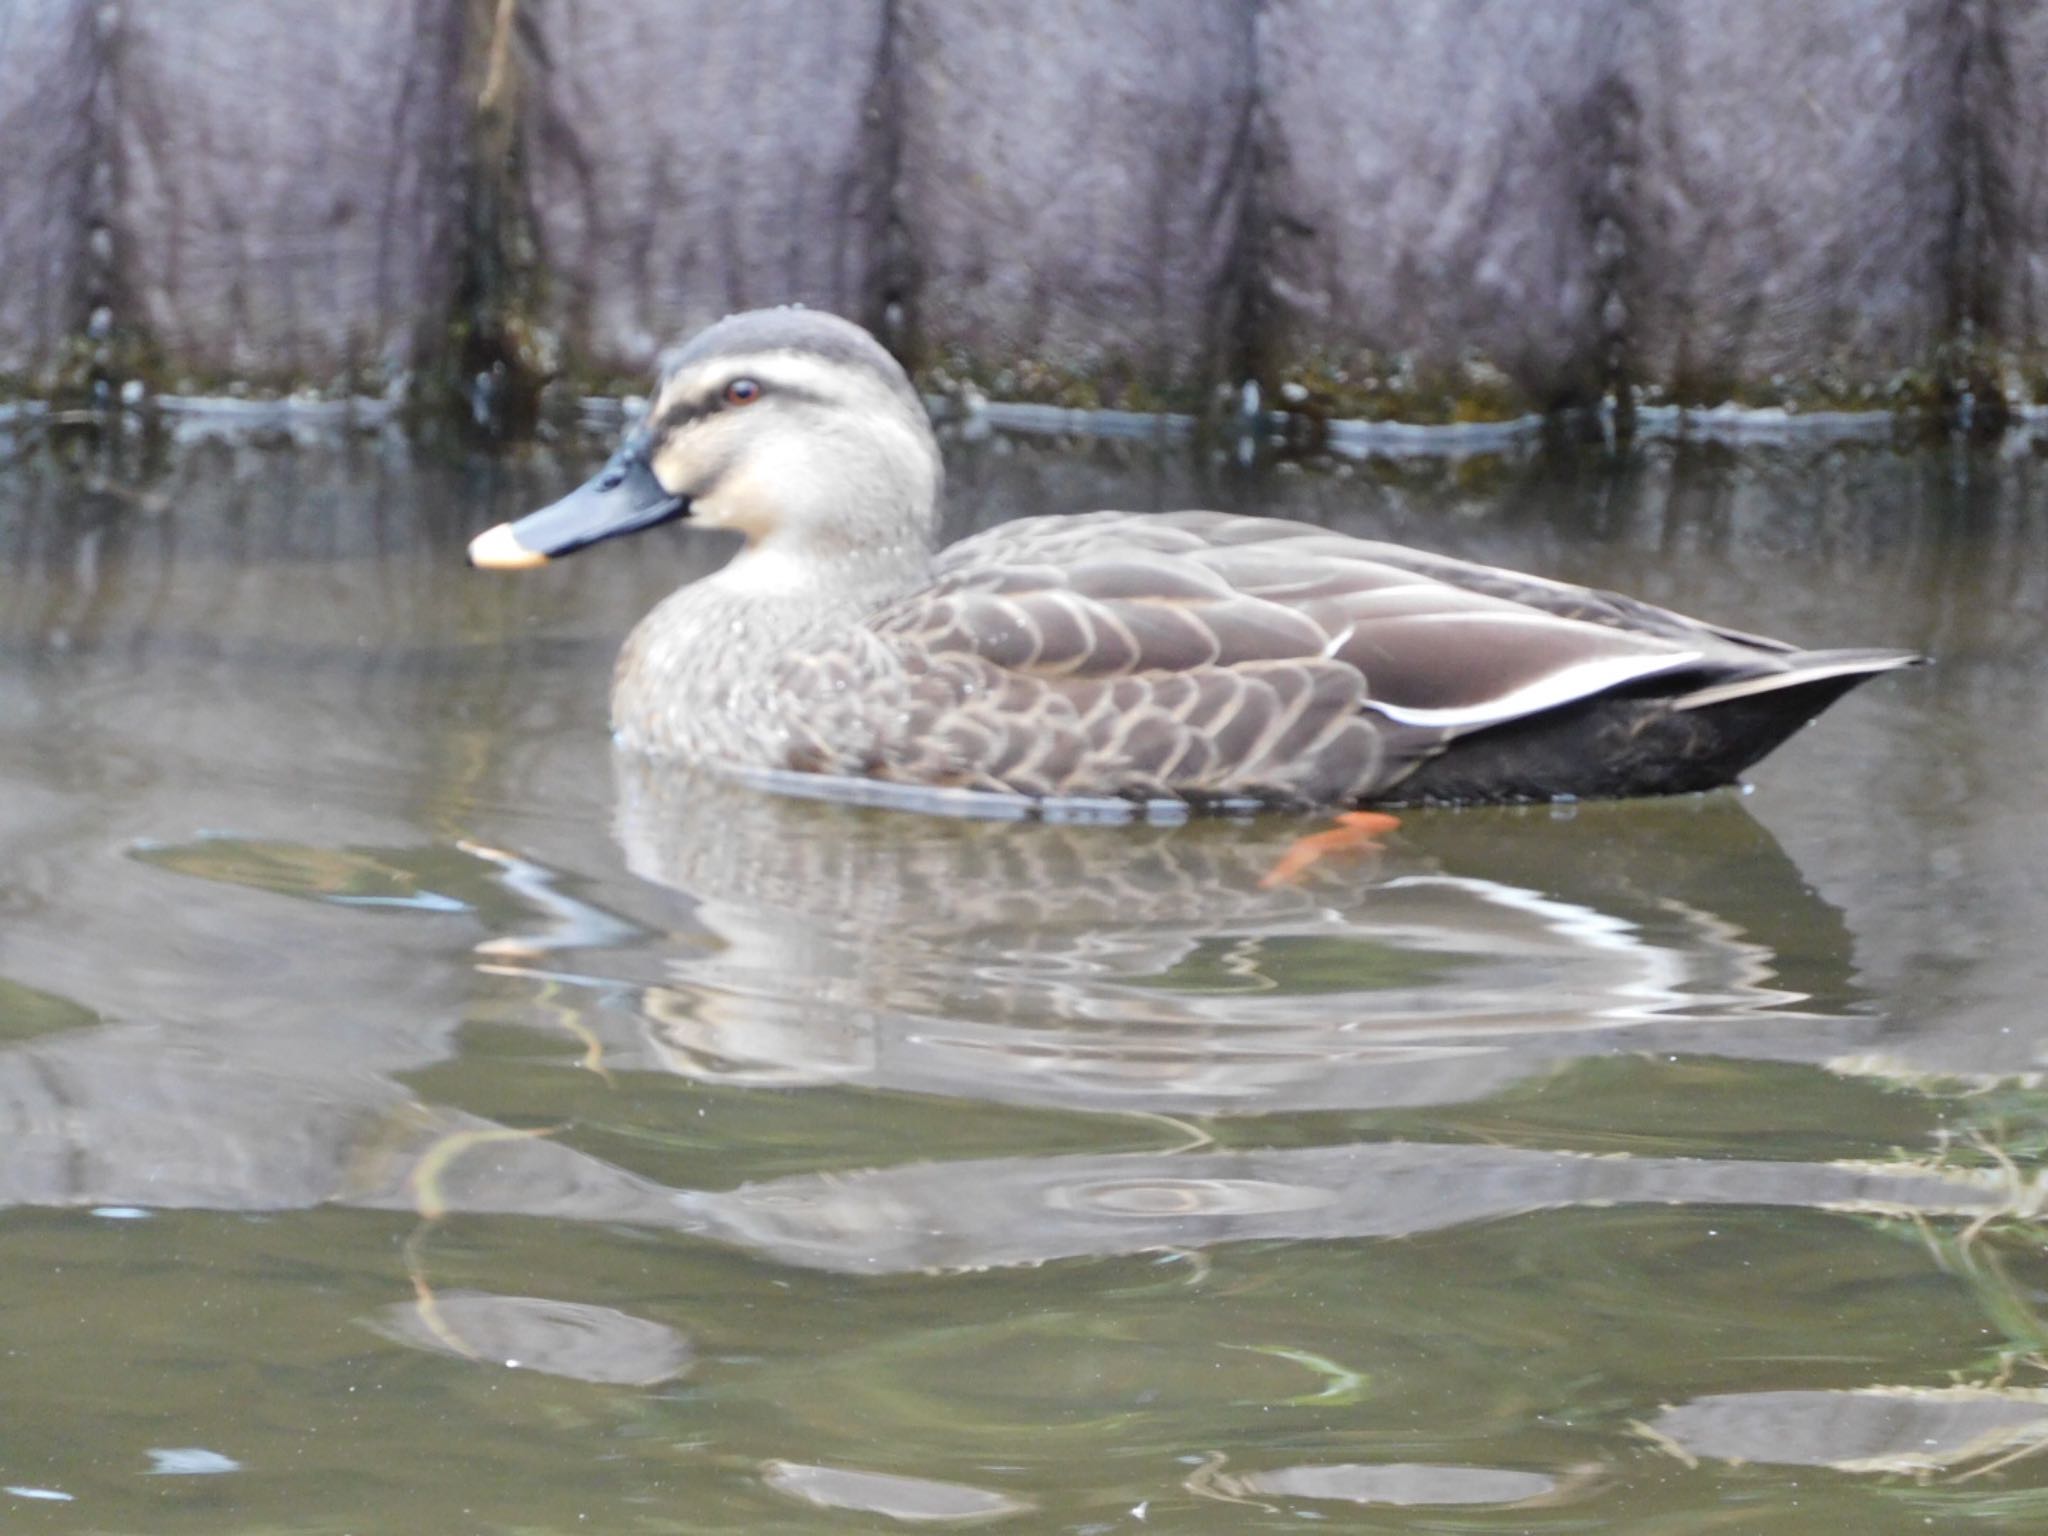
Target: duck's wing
(1232, 540)
(1206, 655)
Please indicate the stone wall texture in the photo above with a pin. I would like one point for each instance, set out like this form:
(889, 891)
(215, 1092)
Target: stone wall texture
(1070, 186)
(1795, 190)
(1431, 187)
(283, 175)
(1433, 208)
(48, 74)
(2005, 96)
(687, 158)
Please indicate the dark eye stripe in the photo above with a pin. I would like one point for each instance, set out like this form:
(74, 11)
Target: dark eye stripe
(706, 402)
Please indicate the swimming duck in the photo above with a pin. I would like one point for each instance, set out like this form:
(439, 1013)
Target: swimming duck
(1192, 656)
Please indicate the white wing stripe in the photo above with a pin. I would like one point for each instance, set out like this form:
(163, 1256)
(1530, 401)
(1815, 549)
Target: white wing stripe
(1565, 686)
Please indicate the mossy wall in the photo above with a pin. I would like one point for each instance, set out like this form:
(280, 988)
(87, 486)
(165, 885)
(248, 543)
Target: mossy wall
(1430, 209)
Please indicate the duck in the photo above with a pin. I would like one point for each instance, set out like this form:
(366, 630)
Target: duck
(1199, 658)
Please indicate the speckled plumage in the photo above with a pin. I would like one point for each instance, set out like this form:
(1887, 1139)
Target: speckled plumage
(1193, 655)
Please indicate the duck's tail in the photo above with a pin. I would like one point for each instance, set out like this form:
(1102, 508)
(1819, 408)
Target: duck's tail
(1814, 679)
(1642, 742)
(1732, 725)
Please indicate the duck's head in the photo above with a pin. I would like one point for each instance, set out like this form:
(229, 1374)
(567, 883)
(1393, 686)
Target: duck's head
(791, 426)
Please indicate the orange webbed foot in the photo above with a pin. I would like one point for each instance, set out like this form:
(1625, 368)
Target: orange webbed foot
(1355, 832)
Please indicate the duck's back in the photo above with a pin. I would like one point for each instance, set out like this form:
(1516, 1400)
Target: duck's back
(1208, 656)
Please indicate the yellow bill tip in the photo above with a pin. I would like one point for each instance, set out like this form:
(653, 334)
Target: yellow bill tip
(496, 549)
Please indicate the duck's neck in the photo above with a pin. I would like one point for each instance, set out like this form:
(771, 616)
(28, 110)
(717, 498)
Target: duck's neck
(700, 675)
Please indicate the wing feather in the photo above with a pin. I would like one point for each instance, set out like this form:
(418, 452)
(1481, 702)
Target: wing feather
(1204, 653)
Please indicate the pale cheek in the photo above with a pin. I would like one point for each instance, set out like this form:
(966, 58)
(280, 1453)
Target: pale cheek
(737, 502)
(717, 500)
(674, 470)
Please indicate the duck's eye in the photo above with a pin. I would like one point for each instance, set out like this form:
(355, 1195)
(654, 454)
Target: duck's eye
(742, 392)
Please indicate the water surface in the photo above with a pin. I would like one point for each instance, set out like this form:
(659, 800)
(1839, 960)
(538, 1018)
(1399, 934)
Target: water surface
(415, 1118)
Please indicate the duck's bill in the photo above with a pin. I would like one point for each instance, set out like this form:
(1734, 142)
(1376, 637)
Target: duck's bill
(623, 497)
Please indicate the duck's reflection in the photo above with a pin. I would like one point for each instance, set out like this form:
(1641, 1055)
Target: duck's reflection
(1145, 968)
(1071, 968)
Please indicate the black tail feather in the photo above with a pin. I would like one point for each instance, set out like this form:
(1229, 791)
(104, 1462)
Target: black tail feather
(1628, 744)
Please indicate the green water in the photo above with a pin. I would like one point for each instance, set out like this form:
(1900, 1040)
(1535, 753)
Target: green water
(413, 1119)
